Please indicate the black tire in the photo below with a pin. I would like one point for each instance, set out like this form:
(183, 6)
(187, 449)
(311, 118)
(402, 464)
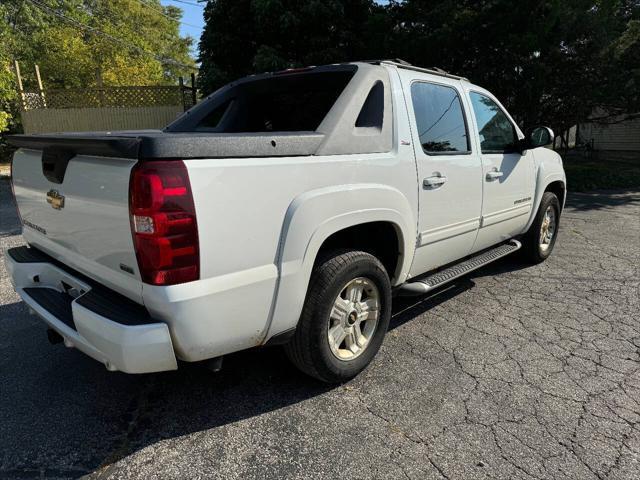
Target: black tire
(309, 348)
(532, 252)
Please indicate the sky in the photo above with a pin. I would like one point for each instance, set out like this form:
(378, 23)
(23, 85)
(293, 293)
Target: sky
(192, 20)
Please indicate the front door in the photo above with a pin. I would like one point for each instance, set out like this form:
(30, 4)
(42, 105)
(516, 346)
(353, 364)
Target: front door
(449, 171)
(507, 192)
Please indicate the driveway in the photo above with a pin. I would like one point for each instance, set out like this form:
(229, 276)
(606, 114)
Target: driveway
(513, 372)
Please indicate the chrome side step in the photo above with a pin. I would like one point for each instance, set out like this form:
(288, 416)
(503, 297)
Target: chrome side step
(437, 279)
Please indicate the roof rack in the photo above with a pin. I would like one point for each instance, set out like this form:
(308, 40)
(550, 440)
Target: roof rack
(398, 62)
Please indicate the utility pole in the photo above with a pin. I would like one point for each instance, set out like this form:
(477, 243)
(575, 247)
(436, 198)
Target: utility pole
(16, 66)
(194, 96)
(40, 89)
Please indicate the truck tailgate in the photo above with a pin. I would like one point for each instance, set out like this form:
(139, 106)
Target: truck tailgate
(80, 215)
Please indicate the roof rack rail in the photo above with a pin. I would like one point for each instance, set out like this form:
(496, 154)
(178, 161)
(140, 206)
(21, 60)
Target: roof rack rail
(398, 62)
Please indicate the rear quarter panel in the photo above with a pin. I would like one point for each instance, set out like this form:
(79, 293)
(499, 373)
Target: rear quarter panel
(242, 207)
(245, 208)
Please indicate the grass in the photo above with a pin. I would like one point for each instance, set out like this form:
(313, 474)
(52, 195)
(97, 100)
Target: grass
(584, 175)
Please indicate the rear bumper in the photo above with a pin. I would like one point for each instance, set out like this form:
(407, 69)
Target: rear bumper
(104, 325)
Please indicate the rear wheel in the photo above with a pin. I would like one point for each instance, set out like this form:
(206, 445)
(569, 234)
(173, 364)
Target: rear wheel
(538, 242)
(344, 318)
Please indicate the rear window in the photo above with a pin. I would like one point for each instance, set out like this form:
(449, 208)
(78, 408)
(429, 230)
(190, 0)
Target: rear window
(278, 103)
(440, 119)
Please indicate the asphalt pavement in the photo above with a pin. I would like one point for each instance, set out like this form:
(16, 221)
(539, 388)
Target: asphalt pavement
(513, 372)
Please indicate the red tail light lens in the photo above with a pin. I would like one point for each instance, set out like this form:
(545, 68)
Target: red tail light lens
(163, 223)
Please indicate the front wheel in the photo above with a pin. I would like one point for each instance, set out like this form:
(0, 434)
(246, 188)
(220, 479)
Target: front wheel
(538, 242)
(345, 317)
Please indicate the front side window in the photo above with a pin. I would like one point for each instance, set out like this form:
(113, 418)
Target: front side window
(497, 133)
(439, 118)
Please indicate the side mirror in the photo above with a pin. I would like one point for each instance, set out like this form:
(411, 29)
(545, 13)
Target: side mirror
(540, 137)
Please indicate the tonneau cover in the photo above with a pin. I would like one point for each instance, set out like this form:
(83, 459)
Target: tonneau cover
(151, 144)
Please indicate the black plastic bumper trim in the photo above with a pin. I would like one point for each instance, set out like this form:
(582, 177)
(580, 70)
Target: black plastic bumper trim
(100, 299)
(29, 255)
(115, 307)
(56, 303)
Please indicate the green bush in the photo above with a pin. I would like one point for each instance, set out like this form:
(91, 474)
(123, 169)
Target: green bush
(584, 175)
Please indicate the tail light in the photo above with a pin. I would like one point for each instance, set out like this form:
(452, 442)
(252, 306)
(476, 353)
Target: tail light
(163, 223)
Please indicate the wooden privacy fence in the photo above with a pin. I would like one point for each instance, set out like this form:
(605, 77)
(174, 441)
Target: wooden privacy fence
(104, 108)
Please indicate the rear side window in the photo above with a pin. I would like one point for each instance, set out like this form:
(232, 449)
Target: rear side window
(372, 113)
(278, 103)
(497, 133)
(439, 118)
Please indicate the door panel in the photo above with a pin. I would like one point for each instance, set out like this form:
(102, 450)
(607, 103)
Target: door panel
(507, 196)
(449, 171)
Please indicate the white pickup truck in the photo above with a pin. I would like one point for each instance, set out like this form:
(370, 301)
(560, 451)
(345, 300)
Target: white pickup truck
(285, 208)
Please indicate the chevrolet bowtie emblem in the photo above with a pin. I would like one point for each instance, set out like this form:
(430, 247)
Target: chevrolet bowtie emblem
(55, 199)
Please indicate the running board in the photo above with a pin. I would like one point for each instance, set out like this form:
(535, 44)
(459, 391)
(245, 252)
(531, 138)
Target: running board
(437, 279)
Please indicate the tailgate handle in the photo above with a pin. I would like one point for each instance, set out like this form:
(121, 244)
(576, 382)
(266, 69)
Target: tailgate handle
(54, 163)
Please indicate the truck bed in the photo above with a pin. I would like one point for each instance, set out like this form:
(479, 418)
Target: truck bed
(183, 145)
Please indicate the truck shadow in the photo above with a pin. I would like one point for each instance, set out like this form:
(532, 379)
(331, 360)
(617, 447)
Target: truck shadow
(602, 199)
(9, 223)
(61, 406)
(406, 309)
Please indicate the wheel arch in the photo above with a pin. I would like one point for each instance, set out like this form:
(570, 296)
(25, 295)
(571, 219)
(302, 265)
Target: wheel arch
(558, 188)
(549, 176)
(326, 217)
(382, 239)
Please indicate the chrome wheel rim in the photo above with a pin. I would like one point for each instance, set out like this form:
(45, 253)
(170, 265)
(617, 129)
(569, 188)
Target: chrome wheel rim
(353, 319)
(548, 228)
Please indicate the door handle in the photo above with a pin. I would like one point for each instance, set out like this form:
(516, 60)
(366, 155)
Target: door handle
(492, 175)
(434, 181)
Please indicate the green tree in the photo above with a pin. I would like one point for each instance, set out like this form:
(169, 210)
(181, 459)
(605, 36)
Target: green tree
(247, 36)
(550, 61)
(130, 42)
(7, 85)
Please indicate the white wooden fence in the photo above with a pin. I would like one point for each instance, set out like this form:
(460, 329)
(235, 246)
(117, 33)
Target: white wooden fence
(105, 108)
(48, 120)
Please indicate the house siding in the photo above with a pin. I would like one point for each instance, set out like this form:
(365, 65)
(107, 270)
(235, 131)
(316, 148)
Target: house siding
(623, 136)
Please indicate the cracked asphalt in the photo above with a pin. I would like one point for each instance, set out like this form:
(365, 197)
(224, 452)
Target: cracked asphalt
(513, 372)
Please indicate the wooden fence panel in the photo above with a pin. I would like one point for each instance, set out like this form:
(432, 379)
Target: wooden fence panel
(46, 120)
(104, 108)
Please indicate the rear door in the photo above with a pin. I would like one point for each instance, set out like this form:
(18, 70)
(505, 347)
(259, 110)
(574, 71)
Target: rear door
(449, 170)
(507, 174)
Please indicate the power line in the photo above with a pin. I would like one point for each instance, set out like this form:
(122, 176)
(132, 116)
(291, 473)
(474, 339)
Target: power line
(151, 7)
(95, 31)
(439, 118)
(187, 3)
